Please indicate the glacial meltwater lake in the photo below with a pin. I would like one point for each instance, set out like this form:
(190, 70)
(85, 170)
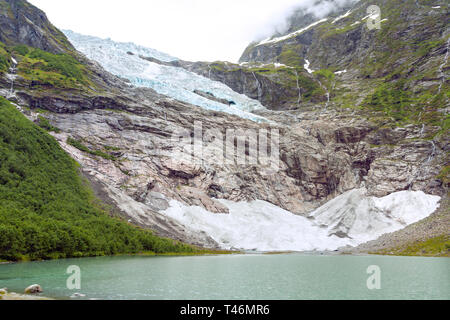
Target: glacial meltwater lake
(236, 277)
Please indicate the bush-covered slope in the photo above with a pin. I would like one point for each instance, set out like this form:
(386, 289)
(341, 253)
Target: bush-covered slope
(47, 210)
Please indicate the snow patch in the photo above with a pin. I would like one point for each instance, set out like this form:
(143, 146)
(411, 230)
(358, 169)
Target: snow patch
(290, 35)
(342, 16)
(350, 219)
(280, 65)
(340, 72)
(306, 66)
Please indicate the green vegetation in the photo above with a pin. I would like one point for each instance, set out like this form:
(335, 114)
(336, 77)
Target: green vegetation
(434, 247)
(392, 100)
(444, 176)
(224, 67)
(21, 49)
(48, 211)
(287, 78)
(325, 74)
(290, 56)
(56, 70)
(80, 146)
(59, 63)
(329, 30)
(45, 124)
(327, 78)
(4, 59)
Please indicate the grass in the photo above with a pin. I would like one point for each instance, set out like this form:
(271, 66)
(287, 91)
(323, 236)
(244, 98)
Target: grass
(80, 146)
(45, 124)
(47, 211)
(434, 247)
(444, 176)
(60, 71)
(392, 100)
(286, 77)
(4, 59)
(290, 56)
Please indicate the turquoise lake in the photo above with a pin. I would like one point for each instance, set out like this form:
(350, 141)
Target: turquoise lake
(236, 277)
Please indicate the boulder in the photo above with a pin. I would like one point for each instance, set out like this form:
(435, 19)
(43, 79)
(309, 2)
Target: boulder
(35, 288)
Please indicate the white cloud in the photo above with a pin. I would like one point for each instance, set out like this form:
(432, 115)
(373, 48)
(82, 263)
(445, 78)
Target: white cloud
(188, 29)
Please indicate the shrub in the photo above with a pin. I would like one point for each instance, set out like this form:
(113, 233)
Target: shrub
(47, 210)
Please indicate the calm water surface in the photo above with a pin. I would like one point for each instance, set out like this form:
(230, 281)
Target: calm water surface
(287, 276)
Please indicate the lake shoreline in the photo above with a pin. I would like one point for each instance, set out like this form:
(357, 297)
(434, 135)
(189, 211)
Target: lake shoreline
(225, 277)
(141, 254)
(354, 253)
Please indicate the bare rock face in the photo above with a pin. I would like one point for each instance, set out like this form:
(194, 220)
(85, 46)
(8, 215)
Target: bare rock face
(23, 23)
(319, 158)
(140, 149)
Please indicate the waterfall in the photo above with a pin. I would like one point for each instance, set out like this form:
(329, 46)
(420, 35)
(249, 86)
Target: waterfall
(422, 130)
(12, 75)
(422, 169)
(432, 154)
(209, 72)
(258, 86)
(12, 87)
(441, 67)
(299, 89)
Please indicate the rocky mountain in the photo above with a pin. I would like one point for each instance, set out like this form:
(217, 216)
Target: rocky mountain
(368, 130)
(23, 24)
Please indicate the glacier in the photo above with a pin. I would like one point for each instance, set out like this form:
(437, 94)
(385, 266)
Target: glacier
(350, 219)
(124, 60)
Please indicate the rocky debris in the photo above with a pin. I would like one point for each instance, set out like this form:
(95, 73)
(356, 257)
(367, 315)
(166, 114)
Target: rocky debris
(35, 288)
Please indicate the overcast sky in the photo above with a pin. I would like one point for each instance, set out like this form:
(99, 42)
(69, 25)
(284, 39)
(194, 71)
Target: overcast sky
(188, 29)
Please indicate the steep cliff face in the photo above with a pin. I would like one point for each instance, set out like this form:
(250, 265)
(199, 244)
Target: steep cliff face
(22, 23)
(358, 122)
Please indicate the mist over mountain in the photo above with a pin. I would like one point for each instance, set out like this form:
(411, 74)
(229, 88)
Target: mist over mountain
(355, 119)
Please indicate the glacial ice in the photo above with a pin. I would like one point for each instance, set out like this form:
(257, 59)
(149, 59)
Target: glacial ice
(123, 59)
(261, 226)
